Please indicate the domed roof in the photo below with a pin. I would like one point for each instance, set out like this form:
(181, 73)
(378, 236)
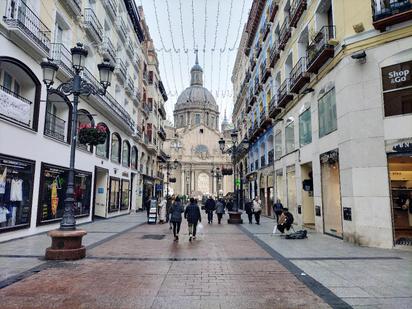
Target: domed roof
(196, 94)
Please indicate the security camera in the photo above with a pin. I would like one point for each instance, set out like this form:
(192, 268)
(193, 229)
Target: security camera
(361, 55)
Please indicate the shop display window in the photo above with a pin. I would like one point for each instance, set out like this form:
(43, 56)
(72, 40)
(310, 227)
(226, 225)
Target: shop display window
(114, 194)
(327, 113)
(125, 197)
(400, 172)
(16, 190)
(305, 128)
(53, 186)
(278, 145)
(290, 137)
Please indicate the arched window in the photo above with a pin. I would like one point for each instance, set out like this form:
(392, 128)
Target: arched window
(57, 123)
(126, 154)
(19, 93)
(102, 150)
(116, 145)
(134, 158)
(84, 119)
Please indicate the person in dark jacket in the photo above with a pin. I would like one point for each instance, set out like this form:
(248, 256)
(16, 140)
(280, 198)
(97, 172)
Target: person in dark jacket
(192, 214)
(285, 221)
(176, 217)
(220, 210)
(277, 209)
(210, 207)
(248, 209)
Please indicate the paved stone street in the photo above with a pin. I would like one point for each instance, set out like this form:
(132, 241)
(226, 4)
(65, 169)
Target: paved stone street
(131, 264)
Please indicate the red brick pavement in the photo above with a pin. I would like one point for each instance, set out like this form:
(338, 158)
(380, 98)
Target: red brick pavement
(228, 270)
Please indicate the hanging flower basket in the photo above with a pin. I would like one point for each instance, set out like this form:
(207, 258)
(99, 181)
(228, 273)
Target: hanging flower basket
(89, 135)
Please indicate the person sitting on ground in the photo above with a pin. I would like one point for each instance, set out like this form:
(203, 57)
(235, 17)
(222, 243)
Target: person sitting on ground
(192, 214)
(176, 217)
(285, 221)
(220, 210)
(210, 207)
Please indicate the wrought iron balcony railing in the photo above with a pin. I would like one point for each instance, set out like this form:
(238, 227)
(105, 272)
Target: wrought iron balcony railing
(274, 54)
(19, 17)
(92, 25)
(273, 10)
(55, 127)
(121, 28)
(298, 76)
(15, 107)
(321, 49)
(389, 13)
(75, 6)
(284, 33)
(63, 58)
(108, 49)
(129, 85)
(111, 7)
(296, 11)
(284, 94)
(121, 69)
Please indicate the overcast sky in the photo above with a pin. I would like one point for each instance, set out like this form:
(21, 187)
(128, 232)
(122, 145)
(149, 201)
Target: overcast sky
(213, 26)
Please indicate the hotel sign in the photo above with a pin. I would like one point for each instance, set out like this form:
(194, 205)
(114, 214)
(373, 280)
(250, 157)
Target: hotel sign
(397, 76)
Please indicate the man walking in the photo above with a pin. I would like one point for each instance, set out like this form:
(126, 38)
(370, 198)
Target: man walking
(277, 209)
(192, 214)
(176, 217)
(257, 209)
(220, 210)
(210, 207)
(249, 211)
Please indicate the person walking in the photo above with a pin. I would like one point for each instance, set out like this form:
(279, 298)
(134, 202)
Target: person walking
(257, 209)
(192, 214)
(169, 204)
(249, 210)
(210, 207)
(162, 211)
(277, 209)
(176, 217)
(220, 210)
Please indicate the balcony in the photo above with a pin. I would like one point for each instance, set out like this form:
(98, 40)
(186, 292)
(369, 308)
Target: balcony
(391, 14)
(258, 48)
(296, 11)
(121, 28)
(92, 25)
(26, 29)
(284, 94)
(273, 10)
(63, 58)
(162, 134)
(321, 49)
(145, 77)
(120, 70)
(14, 107)
(273, 106)
(284, 34)
(298, 76)
(162, 111)
(264, 119)
(108, 105)
(274, 54)
(265, 71)
(136, 96)
(136, 62)
(252, 63)
(55, 127)
(73, 6)
(129, 47)
(267, 27)
(129, 88)
(111, 8)
(262, 162)
(271, 156)
(107, 49)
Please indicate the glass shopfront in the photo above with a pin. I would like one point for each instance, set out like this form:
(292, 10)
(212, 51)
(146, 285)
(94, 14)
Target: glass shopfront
(16, 190)
(52, 193)
(125, 197)
(331, 199)
(291, 189)
(114, 194)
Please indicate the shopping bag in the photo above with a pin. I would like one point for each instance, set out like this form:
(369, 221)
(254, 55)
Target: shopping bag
(200, 230)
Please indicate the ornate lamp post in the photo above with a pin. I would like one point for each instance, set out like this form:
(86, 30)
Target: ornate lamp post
(169, 165)
(217, 173)
(234, 150)
(67, 234)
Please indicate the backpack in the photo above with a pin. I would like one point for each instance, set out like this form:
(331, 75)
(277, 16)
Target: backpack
(301, 234)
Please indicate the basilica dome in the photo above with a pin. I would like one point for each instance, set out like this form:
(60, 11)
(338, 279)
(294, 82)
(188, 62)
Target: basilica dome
(196, 96)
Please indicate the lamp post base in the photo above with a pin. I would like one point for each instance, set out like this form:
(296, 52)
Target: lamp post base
(235, 217)
(66, 245)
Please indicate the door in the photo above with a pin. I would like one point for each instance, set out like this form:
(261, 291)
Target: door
(308, 204)
(100, 192)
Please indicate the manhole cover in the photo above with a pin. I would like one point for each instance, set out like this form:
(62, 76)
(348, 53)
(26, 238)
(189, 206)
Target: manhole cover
(153, 236)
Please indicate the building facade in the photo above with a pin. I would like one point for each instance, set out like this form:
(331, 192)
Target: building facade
(36, 125)
(193, 141)
(327, 90)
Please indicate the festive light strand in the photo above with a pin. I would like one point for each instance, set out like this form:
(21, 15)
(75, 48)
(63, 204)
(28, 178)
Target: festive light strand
(228, 27)
(239, 27)
(158, 28)
(193, 26)
(181, 27)
(170, 27)
(217, 24)
(204, 35)
(173, 73)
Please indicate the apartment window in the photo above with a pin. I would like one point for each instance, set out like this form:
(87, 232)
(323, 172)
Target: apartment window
(126, 154)
(7, 81)
(327, 113)
(116, 148)
(290, 137)
(197, 118)
(278, 145)
(305, 128)
(397, 89)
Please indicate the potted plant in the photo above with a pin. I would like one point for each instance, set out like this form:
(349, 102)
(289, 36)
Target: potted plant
(90, 135)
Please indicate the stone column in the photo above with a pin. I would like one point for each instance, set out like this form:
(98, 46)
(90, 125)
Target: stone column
(182, 182)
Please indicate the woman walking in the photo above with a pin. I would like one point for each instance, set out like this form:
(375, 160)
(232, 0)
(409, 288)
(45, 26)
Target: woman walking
(257, 209)
(176, 217)
(162, 211)
(220, 210)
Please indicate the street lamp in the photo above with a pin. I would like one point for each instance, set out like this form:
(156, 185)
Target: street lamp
(76, 86)
(234, 150)
(169, 165)
(216, 173)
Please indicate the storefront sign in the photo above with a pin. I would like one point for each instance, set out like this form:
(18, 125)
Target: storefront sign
(397, 76)
(330, 157)
(14, 108)
(399, 145)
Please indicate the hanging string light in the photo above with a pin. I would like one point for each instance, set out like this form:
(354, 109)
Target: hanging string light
(170, 27)
(217, 25)
(181, 27)
(228, 27)
(193, 26)
(158, 28)
(239, 29)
